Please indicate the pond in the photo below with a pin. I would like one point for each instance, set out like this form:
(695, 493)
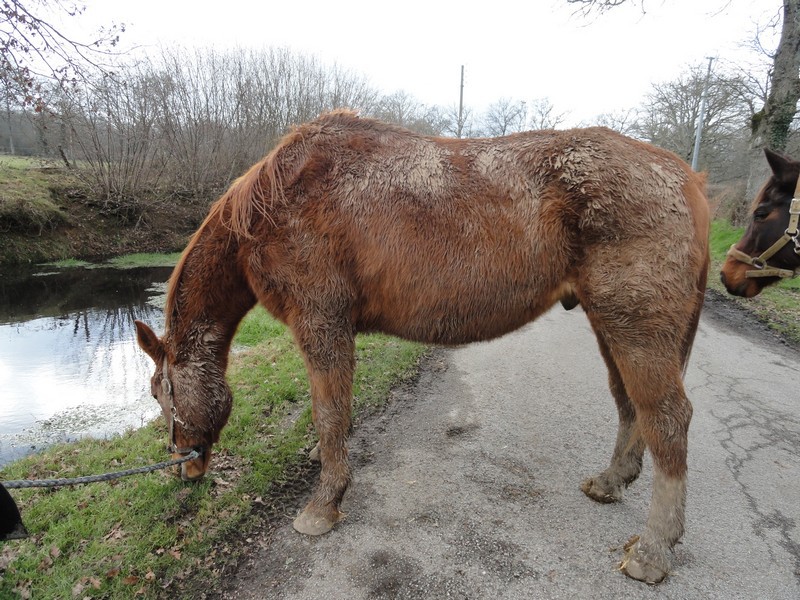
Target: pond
(69, 363)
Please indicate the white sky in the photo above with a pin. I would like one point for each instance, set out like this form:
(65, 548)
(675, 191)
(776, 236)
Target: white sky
(523, 50)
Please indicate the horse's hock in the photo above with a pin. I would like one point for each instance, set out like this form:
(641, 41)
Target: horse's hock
(352, 225)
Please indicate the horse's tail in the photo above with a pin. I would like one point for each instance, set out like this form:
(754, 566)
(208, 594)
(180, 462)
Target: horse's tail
(698, 204)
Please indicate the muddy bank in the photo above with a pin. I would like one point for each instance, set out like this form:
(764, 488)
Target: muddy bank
(89, 232)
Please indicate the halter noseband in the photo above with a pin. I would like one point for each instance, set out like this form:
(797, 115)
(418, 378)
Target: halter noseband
(166, 387)
(762, 269)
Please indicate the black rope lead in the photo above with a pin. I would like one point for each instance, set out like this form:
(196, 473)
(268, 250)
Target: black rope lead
(42, 483)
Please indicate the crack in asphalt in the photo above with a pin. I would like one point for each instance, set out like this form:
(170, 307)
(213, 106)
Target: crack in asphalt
(775, 430)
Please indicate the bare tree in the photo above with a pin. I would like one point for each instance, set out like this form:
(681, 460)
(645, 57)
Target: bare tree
(32, 49)
(459, 123)
(623, 121)
(181, 126)
(505, 116)
(543, 115)
(671, 112)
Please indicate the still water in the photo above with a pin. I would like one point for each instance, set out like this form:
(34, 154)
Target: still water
(69, 363)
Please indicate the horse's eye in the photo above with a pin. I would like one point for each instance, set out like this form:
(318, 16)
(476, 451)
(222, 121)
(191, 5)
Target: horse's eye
(760, 215)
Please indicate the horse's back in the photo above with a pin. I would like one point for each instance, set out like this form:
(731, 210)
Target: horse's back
(457, 240)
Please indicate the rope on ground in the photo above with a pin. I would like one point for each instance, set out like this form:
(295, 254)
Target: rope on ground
(41, 483)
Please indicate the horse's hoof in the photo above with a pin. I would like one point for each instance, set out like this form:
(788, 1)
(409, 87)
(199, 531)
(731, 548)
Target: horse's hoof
(310, 524)
(599, 492)
(643, 566)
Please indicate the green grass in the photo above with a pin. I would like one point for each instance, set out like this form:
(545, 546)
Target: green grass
(152, 536)
(723, 236)
(143, 260)
(26, 198)
(128, 261)
(67, 263)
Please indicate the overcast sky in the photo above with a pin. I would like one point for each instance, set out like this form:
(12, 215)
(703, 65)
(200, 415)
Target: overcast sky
(509, 48)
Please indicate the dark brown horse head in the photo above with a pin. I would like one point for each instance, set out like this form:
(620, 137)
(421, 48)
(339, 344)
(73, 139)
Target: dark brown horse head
(194, 398)
(746, 270)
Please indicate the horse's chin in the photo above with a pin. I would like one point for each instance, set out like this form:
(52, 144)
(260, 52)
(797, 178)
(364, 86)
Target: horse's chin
(746, 289)
(737, 283)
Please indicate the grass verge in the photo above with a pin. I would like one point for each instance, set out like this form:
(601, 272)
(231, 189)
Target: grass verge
(152, 536)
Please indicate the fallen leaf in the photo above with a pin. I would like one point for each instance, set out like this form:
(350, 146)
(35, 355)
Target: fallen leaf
(116, 533)
(131, 580)
(150, 576)
(175, 553)
(55, 552)
(112, 572)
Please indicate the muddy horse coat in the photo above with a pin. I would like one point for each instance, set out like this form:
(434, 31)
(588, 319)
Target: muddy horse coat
(352, 225)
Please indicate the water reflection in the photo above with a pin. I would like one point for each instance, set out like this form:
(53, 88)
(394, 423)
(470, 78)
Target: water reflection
(69, 364)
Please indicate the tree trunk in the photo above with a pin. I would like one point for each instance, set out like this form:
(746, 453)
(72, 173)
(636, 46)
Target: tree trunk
(770, 126)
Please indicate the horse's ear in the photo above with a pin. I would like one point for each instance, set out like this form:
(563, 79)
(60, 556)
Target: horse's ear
(148, 341)
(783, 168)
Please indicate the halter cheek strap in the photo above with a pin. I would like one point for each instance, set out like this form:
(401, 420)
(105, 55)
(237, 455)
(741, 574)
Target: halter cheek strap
(166, 387)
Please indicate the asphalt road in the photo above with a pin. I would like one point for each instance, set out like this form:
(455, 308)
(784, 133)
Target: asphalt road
(468, 485)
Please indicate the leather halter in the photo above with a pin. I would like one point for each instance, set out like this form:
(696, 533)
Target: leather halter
(762, 268)
(166, 387)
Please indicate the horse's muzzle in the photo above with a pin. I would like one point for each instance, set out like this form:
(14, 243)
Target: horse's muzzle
(195, 469)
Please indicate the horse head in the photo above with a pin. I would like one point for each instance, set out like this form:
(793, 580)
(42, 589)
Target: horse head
(769, 249)
(193, 394)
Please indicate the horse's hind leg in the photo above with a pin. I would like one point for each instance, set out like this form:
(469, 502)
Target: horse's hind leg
(663, 416)
(649, 357)
(330, 361)
(626, 462)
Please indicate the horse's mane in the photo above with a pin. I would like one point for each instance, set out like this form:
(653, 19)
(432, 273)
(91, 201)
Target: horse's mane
(263, 185)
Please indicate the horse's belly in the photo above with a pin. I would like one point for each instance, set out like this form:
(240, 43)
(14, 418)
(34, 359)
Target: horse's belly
(455, 316)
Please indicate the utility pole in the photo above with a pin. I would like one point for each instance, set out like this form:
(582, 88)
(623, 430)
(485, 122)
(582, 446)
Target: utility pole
(701, 117)
(461, 103)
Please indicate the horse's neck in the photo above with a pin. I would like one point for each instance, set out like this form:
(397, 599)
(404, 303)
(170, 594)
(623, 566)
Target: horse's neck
(210, 298)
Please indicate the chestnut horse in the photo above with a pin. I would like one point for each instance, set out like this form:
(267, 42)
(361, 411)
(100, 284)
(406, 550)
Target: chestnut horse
(352, 225)
(769, 249)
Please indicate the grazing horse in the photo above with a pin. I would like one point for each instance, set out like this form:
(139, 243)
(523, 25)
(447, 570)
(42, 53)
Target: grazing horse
(353, 225)
(765, 255)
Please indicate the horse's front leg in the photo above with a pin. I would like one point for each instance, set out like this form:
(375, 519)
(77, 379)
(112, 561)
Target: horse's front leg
(330, 361)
